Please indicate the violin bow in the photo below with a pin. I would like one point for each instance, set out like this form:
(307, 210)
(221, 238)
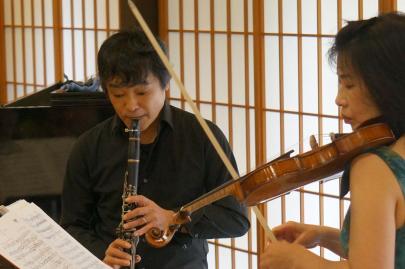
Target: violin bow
(268, 232)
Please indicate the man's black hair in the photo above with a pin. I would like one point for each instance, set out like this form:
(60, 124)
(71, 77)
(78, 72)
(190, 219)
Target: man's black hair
(128, 57)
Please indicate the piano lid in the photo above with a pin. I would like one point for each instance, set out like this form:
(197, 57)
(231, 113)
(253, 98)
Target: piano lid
(37, 133)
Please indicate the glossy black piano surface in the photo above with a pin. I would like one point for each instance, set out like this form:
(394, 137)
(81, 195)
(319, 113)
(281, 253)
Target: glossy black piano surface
(36, 136)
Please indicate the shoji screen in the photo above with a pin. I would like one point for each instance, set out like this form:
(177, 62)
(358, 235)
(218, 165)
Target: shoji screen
(210, 44)
(401, 5)
(43, 39)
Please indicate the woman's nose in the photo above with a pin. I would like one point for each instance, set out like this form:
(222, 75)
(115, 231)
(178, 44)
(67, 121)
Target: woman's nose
(340, 100)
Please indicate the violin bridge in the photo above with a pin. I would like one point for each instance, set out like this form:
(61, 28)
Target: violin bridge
(312, 142)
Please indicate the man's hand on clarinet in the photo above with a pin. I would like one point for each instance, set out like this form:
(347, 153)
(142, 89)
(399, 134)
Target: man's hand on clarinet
(147, 215)
(115, 255)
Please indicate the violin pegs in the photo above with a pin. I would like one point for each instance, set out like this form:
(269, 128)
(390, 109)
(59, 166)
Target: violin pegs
(332, 136)
(312, 142)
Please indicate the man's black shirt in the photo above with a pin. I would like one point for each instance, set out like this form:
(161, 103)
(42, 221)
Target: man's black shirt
(178, 167)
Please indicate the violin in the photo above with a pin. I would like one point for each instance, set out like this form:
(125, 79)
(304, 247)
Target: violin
(283, 175)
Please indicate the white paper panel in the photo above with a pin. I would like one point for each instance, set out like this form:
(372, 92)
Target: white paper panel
(329, 17)
(48, 7)
(290, 57)
(291, 132)
(309, 16)
(222, 119)
(10, 92)
(271, 17)
(252, 140)
(173, 6)
(49, 57)
(238, 70)
(206, 111)
(237, 15)
(78, 48)
(39, 54)
(272, 135)
(7, 12)
(272, 69)
(292, 206)
(174, 53)
(17, 12)
(66, 19)
(221, 68)
(188, 14)
(253, 229)
(20, 90)
(27, 13)
(77, 11)
(89, 18)
(225, 258)
(311, 209)
(189, 64)
(67, 53)
(242, 260)
(310, 127)
(205, 67)
(38, 12)
(350, 10)
(251, 72)
(309, 75)
(220, 15)
(29, 63)
(204, 15)
(102, 14)
(401, 5)
(18, 55)
(239, 138)
(9, 48)
(114, 15)
(290, 16)
(329, 81)
(274, 212)
(90, 55)
(331, 212)
(370, 8)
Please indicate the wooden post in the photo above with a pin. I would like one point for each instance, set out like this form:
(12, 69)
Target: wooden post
(385, 6)
(259, 89)
(58, 39)
(3, 83)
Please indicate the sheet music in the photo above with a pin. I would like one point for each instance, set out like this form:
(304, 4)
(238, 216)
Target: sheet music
(31, 239)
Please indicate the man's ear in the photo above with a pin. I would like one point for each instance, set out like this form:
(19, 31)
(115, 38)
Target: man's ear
(167, 86)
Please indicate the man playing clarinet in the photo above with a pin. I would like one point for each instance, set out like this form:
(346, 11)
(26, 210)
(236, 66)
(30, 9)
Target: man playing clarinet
(177, 165)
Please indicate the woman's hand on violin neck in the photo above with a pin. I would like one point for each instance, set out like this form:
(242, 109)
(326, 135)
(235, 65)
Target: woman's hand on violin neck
(147, 215)
(306, 235)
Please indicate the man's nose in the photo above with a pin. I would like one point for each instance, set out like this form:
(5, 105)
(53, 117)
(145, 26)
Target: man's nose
(132, 103)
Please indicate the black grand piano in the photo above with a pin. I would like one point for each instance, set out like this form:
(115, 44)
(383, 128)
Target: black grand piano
(36, 136)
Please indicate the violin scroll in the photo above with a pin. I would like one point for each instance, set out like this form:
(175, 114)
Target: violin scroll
(160, 238)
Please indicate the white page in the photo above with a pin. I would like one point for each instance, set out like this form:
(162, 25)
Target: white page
(56, 247)
(24, 248)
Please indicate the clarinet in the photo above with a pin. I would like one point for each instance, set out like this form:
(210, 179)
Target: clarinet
(130, 189)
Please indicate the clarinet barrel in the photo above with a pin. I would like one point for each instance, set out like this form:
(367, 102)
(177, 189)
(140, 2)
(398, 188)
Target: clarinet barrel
(130, 188)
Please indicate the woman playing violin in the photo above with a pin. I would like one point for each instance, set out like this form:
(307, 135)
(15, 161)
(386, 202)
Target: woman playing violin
(370, 57)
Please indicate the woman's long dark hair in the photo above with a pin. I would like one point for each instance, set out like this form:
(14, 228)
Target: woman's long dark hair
(375, 49)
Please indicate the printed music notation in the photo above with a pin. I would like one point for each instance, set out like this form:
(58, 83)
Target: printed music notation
(30, 239)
